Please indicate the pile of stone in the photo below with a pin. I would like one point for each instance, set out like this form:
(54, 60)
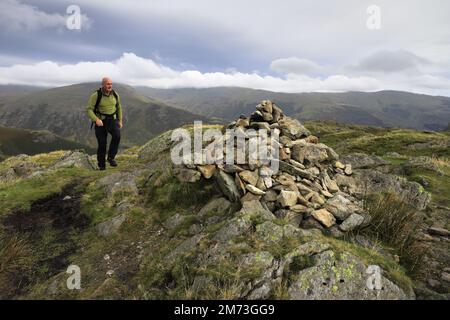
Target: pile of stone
(303, 191)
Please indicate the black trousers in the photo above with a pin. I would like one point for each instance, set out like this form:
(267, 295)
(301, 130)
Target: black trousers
(111, 126)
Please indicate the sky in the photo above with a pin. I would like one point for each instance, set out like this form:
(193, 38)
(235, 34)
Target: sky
(285, 46)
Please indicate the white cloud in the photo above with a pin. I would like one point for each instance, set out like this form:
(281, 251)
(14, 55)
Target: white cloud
(135, 70)
(387, 61)
(294, 65)
(16, 16)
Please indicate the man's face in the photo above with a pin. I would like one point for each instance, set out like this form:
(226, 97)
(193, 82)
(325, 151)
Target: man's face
(107, 86)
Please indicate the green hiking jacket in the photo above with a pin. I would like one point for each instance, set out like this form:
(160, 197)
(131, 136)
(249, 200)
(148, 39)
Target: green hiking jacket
(107, 105)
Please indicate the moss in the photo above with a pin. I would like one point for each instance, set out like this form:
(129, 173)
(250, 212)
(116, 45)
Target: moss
(213, 228)
(299, 263)
(346, 270)
(438, 185)
(238, 249)
(283, 247)
(93, 204)
(175, 193)
(395, 161)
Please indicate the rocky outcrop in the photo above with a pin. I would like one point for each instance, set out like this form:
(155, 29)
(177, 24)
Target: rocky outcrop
(112, 225)
(75, 159)
(365, 161)
(364, 181)
(124, 183)
(341, 278)
(313, 269)
(24, 166)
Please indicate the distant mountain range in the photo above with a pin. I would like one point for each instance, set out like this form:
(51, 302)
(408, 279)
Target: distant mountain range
(61, 111)
(15, 141)
(149, 111)
(383, 108)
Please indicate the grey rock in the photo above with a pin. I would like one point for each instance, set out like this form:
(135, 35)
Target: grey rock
(254, 190)
(174, 221)
(287, 198)
(269, 232)
(217, 206)
(445, 276)
(254, 208)
(112, 225)
(185, 246)
(7, 175)
(294, 218)
(335, 232)
(119, 183)
(25, 168)
(293, 170)
(249, 177)
(345, 278)
(423, 162)
(124, 206)
(330, 184)
(311, 223)
(262, 292)
(266, 264)
(339, 206)
(292, 128)
(227, 185)
(156, 146)
(232, 168)
(312, 153)
(368, 180)
(348, 169)
(75, 159)
(362, 160)
(324, 217)
(352, 222)
(296, 164)
(233, 228)
(393, 154)
(271, 195)
(347, 183)
(194, 229)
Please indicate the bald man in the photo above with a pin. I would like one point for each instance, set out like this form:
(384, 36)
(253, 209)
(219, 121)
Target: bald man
(105, 110)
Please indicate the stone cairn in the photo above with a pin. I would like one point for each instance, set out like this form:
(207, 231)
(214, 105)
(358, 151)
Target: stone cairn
(303, 191)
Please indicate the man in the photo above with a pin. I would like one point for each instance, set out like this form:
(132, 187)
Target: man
(105, 109)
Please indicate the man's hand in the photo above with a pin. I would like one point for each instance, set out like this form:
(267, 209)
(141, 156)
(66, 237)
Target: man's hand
(120, 125)
(99, 122)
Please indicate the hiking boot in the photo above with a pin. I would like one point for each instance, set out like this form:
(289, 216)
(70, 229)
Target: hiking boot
(112, 162)
(101, 168)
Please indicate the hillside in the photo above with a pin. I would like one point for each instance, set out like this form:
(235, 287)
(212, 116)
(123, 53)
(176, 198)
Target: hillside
(15, 141)
(150, 229)
(61, 111)
(384, 108)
